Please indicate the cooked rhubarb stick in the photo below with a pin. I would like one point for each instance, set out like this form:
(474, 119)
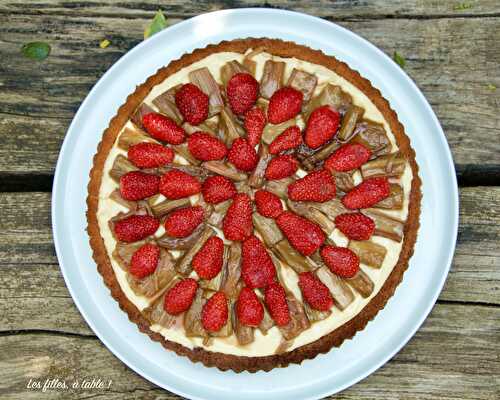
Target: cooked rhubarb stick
(218, 214)
(331, 95)
(288, 255)
(272, 131)
(280, 186)
(229, 69)
(266, 323)
(362, 283)
(268, 229)
(166, 104)
(385, 226)
(369, 253)
(216, 282)
(166, 206)
(192, 317)
(244, 334)
(193, 170)
(313, 214)
(390, 165)
(395, 199)
(209, 126)
(373, 136)
(303, 82)
(256, 179)
(141, 111)
(229, 127)
(349, 120)
(227, 170)
(344, 181)
(205, 81)
(183, 151)
(185, 243)
(123, 252)
(315, 315)
(332, 208)
(315, 159)
(298, 318)
(156, 313)
(272, 78)
(340, 291)
(120, 167)
(130, 137)
(231, 271)
(184, 264)
(117, 197)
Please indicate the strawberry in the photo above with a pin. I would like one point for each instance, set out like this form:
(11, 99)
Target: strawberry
(341, 260)
(215, 312)
(150, 155)
(257, 268)
(316, 186)
(242, 92)
(355, 226)
(163, 128)
(145, 260)
(322, 126)
(181, 223)
(255, 121)
(367, 193)
(177, 184)
(281, 166)
(208, 261)
(192, 103)
(315, 292)
(290, 138)
(242, 155)
(284, 104)
(135, 227)
(348, 157)
(205, 147)
(237, 223)
(137, 185)
(249, 308)
(217, 189)
(275, 298)
(180, 296)
(305, 236)
(268, 204)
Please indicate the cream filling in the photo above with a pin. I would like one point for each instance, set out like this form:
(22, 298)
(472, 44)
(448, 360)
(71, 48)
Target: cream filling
(263, 344)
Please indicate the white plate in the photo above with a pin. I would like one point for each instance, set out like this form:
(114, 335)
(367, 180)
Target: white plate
(326, 374)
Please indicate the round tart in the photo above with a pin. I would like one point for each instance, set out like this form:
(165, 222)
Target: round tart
(253, 204)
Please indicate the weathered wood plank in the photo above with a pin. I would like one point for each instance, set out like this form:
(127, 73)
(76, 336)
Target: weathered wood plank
(39, 99)
(448, 358)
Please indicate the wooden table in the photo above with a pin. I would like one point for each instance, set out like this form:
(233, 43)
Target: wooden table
(454, 57)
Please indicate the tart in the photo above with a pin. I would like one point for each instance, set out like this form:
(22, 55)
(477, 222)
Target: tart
(253, 204)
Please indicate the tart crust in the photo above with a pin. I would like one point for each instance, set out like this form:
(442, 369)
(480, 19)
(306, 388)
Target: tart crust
(336, 337)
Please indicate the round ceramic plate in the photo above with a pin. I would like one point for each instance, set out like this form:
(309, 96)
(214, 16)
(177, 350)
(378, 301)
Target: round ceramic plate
(327, 373)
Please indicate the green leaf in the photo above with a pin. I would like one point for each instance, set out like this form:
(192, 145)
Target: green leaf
(462, 6)
(158, 23)
(36, 50)
(399, 59)
(491, 87)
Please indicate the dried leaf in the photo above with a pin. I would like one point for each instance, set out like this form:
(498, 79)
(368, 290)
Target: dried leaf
(399, 59)
(104, 43)
(36, 50)
(462, 6)
(158, 23)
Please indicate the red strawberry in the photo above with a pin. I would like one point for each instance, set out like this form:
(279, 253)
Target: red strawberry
(205, 147)
(181, 223)
(257, 268)
(242, 92)
(315, 292)
(150, 155)
(341, 260)
(180, 296)
(348, 157)
(290, 138)
(355, 226)
(208, 261)
(137, 185)
(135, 227)
(242, 155)
(281, 166)
(217, 189)
(192, 103)
(284, 104)
(322, 126)
(367, 193)
(275, 298)
(255, 121)
(249, 308)
(177, 184)
(305, 236)
(214, 312)
(237, 224)
(316, 186)
(163, 128)
(145, 260)
(268, 204)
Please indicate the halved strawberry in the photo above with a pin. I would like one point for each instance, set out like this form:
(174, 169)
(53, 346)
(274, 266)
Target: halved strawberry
(348, 157)
(242, 155)
(318, 186)
(163, 128)
(268, 204)
(145, 260)
(249, 308)
(305, 236)
(275, 298)
(341, 260)
(217, 189)
(284, 104)
(137, 185)
(255, 121)
(208, 261)
(181, 223)
(205, 147)
(281, 167)
(322, 125)
(215, 312)
(367, 193)
(177, 184)
(180, 296)
(237, 223)
(257, 268)
(242, 92)
(355, 226)
(192, 103)
(135, 227)
(290, 138)
(315, 292)
(150, 155)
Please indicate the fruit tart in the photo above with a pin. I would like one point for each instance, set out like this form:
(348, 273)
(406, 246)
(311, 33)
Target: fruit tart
(253, 204)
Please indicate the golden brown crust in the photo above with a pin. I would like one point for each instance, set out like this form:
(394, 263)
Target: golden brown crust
(325, 343)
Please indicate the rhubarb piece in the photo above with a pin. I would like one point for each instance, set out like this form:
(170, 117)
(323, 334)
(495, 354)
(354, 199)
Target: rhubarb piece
(279, 187)
(281, 167)
(159, 279)
(315, 159)
(361, 283)
(181, 223)
(255, 121)
(341, 293)
(123, 253)
(289, 139)
(266, 323)
(156, 313)
(288, 255)
(386, 226)
(166, 104)
(192, 318)
(183, 151)
(349, 120)
(322, 126)
(242, 91)
(185, 243)
(308, 211)
(204, 80)
(304, 82)
(348, 157)
(121, 166)
(304, 235)
(395, 199)
(355, 226)
(284, 104)
(117, 197)
(315, 315)
(344, 181)
(183, 265)
(134, 227)
(231, 271)
(229, 69)
(268, 229)
(214, 313)
(341, 260)
(163, 128)
(369, 253)
(331, 208)
(137, 185)
(332, 96)
(237, 224)
(373, 136)
(208, 126)
(130, 137)
(142, 110)
(317, 186)
(150, 155)
(315, 292)
(229, 127)
(298, 319)
(176, 184)
(166, 206)
(205, 147)
(244, 334)
(303, 152)
(192, 103)
(221, 168)
(193, 170)
(218, 214)
(256, 179)
(390, 165)
(242, 155)
(257, 268)
(272, 131)
(272, 78)
(368, 193)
